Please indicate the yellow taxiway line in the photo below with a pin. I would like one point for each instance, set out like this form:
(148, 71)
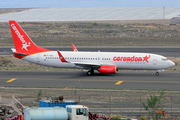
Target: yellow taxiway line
(101, 80)
(11, 80)
(119, 82)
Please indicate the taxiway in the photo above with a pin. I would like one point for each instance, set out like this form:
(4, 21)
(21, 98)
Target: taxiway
(79, 79)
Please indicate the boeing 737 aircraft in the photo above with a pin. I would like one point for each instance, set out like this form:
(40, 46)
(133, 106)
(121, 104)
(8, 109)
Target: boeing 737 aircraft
(104, 62)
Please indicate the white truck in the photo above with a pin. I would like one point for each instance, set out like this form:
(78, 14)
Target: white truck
(72, 112)
(77, 112)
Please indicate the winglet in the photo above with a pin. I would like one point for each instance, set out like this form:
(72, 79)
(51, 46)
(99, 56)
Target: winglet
(61, 57)
(74, 48)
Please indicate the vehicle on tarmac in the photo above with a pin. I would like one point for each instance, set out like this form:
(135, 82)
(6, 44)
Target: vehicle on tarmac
(71, 112)
(103, 62)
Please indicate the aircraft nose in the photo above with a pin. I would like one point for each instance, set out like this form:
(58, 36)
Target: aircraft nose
(171, 63)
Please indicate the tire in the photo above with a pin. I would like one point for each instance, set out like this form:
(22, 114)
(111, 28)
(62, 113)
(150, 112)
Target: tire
(157, 73)
(89, 73)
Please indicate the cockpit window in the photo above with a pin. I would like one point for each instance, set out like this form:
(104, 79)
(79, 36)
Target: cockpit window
(164, 59)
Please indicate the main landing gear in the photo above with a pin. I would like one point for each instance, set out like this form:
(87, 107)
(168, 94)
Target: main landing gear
(157, 73)
(90, 72)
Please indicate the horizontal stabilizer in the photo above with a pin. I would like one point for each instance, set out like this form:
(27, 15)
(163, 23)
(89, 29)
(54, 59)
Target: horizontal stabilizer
(14, 50)
(19, 53)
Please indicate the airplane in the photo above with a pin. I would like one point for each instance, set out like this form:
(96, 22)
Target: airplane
(103, 62)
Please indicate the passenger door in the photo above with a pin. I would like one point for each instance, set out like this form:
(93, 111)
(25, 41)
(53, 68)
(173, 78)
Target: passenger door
(38, 58)
(154, 60)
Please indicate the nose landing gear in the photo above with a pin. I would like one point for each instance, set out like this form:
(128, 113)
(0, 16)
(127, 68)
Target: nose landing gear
(157, 73)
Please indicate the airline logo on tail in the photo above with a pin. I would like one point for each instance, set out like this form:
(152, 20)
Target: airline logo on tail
(21, 37)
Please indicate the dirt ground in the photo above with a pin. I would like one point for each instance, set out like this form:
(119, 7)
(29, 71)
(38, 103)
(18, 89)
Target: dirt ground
(93, 98)
(89, 97)
(95, 34)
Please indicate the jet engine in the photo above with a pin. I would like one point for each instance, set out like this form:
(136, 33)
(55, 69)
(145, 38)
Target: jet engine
(107, 69)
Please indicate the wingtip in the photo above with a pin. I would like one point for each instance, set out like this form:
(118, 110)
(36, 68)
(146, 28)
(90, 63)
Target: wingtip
(74, 48)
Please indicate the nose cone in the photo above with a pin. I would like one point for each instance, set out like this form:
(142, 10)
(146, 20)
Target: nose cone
(171, 63)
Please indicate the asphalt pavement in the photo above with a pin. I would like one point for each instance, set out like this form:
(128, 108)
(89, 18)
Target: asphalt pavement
(79, 79)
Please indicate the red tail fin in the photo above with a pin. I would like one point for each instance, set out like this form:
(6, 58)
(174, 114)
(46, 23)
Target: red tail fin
(22, 42)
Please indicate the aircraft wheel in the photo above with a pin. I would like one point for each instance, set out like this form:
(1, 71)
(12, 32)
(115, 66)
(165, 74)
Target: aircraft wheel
(89, 73)
(157, 73)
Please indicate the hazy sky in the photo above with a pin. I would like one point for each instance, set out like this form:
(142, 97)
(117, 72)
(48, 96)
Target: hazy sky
(86, 3)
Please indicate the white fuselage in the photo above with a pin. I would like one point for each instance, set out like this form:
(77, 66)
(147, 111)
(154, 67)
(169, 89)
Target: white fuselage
(122, 60)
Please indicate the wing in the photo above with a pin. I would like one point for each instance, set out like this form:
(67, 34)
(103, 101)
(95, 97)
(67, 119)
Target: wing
(86, 65)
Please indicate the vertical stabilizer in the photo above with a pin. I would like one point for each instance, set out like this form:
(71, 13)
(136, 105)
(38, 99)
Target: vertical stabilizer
(22, 42)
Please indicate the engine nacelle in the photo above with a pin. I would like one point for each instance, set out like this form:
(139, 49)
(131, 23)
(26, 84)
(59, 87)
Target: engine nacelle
(107, 69)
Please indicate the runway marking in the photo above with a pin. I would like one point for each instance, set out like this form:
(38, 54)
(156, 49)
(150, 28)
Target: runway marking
(11, 80)
(119, 82)
(85, 80)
